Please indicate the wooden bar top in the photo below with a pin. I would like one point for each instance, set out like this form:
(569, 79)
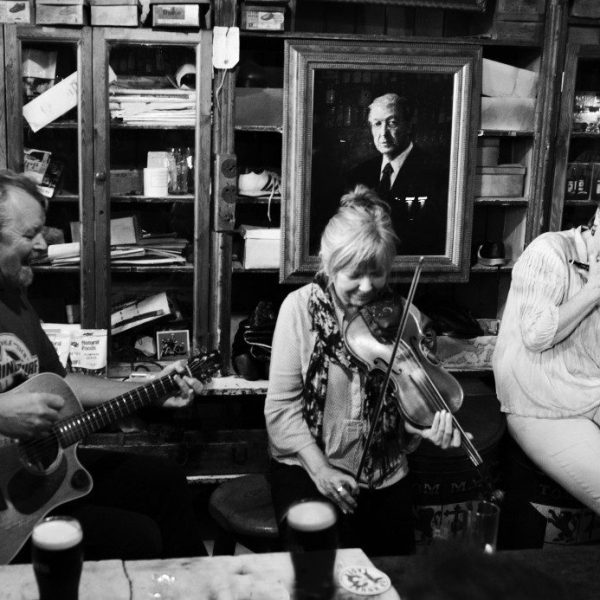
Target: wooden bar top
(243, 577)
(270, 576)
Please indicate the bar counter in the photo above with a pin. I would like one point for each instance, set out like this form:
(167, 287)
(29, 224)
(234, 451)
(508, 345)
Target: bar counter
(270, 576)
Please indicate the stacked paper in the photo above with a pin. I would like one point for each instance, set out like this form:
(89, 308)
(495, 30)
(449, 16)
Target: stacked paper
(158, 105)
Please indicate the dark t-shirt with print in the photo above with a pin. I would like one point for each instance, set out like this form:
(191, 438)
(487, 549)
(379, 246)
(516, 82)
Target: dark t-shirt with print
(24, 347)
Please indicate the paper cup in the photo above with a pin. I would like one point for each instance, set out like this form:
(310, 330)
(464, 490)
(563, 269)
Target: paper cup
(156, 181)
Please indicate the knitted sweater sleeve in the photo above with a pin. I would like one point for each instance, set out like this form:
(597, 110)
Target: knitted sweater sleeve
(539, 286)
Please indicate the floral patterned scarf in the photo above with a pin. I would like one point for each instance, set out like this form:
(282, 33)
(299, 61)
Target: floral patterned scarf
(389, 437)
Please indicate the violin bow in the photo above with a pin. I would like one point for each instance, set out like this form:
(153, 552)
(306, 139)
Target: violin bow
(388, 373)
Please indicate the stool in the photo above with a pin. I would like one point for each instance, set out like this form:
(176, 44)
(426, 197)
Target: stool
(243, 511)
(537, 512)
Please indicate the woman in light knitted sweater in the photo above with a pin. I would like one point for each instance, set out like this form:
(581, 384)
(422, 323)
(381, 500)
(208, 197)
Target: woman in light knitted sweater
(547, 359)
(318, 409)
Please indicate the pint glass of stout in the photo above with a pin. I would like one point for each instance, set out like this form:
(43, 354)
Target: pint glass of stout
(311, 534)
(57, 557)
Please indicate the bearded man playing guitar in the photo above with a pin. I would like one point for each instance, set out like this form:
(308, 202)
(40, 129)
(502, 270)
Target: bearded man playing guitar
(139, 507)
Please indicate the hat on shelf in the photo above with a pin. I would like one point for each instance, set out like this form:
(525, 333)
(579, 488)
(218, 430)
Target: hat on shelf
(264, 184)
(491, 254)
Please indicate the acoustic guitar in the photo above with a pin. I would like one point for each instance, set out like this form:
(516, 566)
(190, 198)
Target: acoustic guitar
(38, 475)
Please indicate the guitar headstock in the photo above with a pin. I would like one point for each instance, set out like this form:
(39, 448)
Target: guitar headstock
(205, 365)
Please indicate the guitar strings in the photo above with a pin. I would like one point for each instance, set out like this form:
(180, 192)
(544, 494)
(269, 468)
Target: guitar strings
(57, 432)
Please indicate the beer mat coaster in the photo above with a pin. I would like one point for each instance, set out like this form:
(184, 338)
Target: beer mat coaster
(365, 581)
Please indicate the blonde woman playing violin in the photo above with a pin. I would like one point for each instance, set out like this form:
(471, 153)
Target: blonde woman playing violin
(318, 407)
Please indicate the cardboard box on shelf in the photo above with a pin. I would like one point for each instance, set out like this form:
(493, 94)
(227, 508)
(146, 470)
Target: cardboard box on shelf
(499, 181)
(61, 12)
(258, 106)
(118, 13)
(488, 150)
(500, 79)
(16, 11)
(520, 10)
(507, 114)
(261, 247)
(126, 181)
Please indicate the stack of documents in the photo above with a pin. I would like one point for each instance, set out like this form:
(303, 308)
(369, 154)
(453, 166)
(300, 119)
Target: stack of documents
(130, 254)
(143, 106)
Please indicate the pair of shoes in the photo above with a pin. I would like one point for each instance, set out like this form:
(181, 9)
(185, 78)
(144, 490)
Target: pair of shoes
(260, 185)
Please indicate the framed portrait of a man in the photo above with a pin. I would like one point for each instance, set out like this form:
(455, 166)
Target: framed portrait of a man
(398, 118)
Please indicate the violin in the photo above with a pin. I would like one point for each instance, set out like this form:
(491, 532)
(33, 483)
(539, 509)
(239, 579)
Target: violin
(419, 384)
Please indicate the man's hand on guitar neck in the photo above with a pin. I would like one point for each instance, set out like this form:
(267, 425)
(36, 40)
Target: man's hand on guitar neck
(25, 415)
(188, 386)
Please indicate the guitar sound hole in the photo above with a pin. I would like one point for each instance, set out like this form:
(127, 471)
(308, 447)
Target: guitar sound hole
(39, 454)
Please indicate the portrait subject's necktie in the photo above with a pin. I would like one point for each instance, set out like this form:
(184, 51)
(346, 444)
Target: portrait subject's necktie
(385, 183)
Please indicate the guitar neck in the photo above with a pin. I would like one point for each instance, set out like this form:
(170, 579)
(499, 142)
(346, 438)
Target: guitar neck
(75, 428)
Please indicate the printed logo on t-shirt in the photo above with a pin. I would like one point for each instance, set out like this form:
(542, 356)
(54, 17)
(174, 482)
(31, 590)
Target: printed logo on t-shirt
(16, 361)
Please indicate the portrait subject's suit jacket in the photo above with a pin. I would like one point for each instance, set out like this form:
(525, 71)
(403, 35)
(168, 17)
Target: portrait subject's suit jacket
(418, 199)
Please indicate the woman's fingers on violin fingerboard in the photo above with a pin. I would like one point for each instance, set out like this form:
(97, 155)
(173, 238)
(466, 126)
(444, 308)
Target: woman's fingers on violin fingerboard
(456, 438)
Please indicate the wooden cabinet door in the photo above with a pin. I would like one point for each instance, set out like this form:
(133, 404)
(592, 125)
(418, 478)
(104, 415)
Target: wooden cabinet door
(38, 59)
(142, 106)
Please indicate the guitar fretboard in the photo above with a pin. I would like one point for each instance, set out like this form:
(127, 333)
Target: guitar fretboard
(75, 428)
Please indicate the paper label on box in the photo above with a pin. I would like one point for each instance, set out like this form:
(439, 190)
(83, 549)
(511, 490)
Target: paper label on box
(15, 12)
(264, 20)
(185, 15)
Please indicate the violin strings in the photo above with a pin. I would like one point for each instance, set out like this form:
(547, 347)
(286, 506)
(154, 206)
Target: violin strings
(435, 398)
(431, 393)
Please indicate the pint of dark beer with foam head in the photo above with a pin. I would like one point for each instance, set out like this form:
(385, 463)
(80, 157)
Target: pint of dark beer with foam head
(57, 557)
(311, 533)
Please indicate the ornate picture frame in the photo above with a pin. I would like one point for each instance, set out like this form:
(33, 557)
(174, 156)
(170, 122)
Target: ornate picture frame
(475, 5)
(328, 88)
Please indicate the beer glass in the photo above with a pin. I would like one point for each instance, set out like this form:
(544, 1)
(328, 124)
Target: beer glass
(484, 519)
(311, 534)
(57, 557)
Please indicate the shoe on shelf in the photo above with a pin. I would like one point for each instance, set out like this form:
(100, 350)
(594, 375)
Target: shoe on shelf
(265, 184)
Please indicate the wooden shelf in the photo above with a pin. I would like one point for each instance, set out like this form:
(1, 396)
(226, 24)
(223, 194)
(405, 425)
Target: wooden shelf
(482, 269)
(250, 200)
(260, 128)
(137, 198)
(501, 201)
(58, 125)
(187, 198)
(585, 135)
(54, 269)
(150, 126)
(65, 197)
(237, 268)
(158, 269)
(503, 133)
(580, 203)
